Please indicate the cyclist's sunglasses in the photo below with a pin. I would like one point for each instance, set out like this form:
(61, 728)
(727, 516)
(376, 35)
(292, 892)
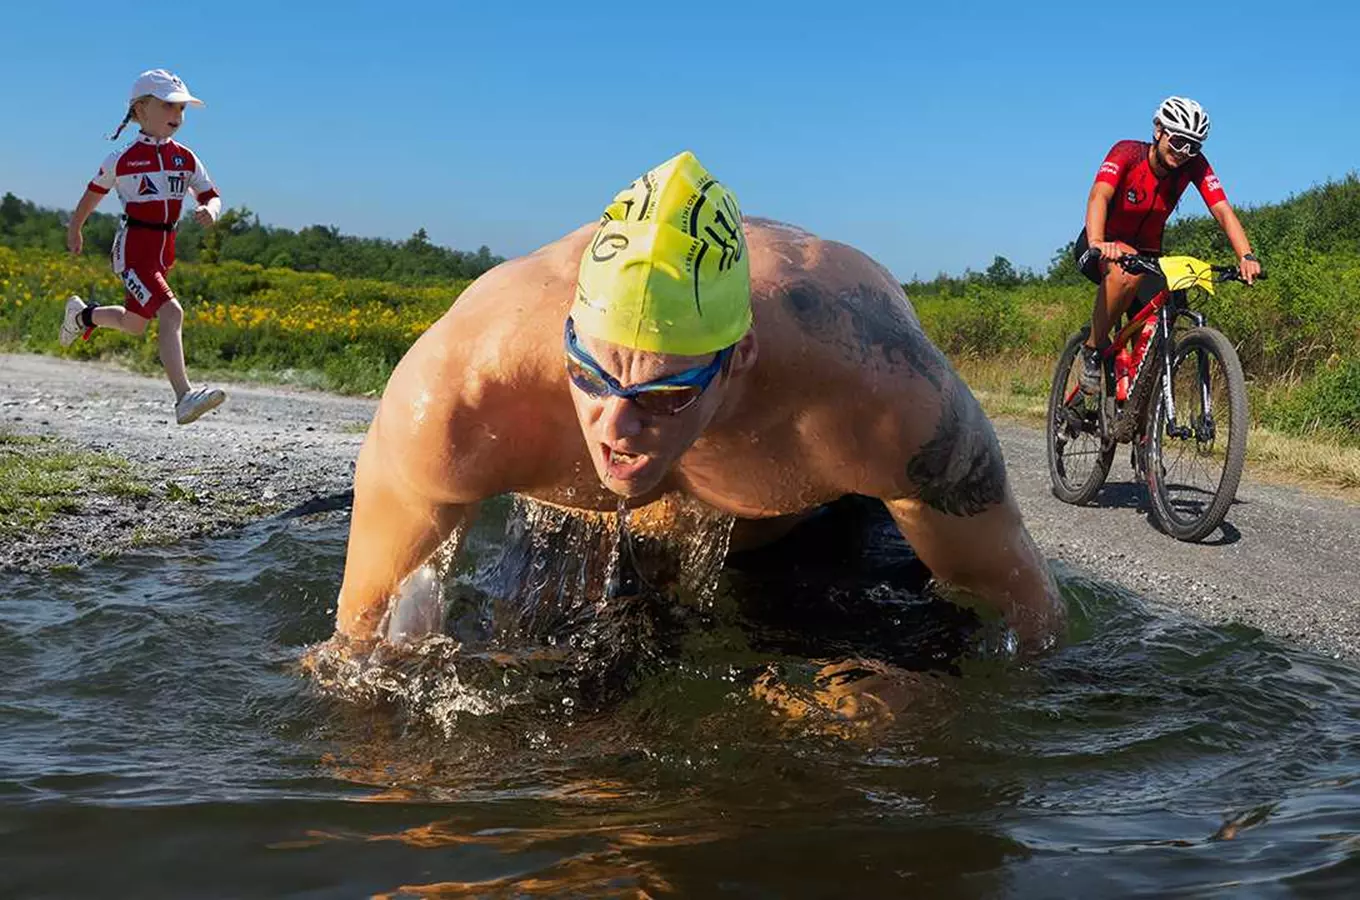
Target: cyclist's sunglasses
(1183, 145)
(664, 396)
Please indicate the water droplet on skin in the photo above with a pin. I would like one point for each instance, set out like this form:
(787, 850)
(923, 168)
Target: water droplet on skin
(419, 406)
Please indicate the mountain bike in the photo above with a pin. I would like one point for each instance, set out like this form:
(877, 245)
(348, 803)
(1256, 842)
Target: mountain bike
(1174, 389)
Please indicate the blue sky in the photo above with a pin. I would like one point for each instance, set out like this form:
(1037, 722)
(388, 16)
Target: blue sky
(933, 139)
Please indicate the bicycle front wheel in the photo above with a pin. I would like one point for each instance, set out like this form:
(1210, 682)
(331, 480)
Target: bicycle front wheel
(1078, 455)
(1195, 457)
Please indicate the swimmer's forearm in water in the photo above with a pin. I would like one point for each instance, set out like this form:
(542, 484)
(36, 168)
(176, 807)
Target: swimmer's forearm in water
(394, 530)
(955, 509)
(991, 556)
(967, 529)
(387, 549)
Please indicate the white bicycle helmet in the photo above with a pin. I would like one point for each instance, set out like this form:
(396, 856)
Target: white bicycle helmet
(1183, 116)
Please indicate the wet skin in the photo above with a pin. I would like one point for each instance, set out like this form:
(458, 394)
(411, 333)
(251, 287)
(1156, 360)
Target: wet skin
(836, 390)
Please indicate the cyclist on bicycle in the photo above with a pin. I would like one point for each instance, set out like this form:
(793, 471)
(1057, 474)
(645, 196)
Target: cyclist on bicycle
(1135, 191)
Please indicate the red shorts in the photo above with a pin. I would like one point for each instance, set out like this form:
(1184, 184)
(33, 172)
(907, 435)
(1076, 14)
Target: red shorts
(147, 291)
(141, 257)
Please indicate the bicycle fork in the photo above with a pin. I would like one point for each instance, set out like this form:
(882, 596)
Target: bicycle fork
(1203, 428)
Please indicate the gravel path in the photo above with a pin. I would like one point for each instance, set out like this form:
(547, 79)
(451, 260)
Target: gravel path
(1286, 562)
(266, 451)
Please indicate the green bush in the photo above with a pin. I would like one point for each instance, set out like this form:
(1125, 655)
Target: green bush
(984, 320)
(1305, 313)
(1328, 403)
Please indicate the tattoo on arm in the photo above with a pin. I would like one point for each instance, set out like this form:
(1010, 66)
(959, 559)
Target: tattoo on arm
(868, 320)
(960, 470)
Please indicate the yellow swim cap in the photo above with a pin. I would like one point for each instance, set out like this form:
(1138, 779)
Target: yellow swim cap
(667, 269)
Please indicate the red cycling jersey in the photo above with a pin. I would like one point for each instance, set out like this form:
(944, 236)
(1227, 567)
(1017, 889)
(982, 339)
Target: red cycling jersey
(1142, 202)
(152, 178)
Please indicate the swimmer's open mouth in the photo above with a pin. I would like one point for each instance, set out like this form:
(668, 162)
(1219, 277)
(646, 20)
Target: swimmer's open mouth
(620, 463)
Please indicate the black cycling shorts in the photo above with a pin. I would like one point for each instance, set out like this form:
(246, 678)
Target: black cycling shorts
(1147, 287)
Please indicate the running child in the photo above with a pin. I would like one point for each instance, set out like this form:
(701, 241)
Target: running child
(153, 175)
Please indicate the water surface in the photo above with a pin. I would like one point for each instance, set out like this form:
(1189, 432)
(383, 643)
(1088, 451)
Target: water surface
(159, 738)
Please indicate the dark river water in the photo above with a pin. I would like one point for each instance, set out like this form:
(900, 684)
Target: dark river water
(172, 726)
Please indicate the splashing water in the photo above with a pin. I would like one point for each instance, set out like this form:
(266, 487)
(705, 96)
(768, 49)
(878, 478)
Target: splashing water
(567, 610)
(151, 725)
(417, 609)
(693, 535)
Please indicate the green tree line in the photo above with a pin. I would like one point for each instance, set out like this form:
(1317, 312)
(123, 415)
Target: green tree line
(239, 236)
(1298, 333)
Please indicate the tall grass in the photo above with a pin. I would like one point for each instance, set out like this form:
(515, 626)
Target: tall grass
(1298, 335)
(348, 332)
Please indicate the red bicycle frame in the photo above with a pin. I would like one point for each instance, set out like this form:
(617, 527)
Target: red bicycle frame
(1136, 326)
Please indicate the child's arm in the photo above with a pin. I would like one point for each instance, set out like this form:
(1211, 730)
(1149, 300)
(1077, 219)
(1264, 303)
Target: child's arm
(74, 241)
(209, 203)
(206, 213)
(100, 185)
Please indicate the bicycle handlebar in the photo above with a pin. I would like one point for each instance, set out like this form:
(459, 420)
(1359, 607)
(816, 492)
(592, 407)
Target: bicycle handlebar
(1131, 261)
(1233, 273)
(1137, 262)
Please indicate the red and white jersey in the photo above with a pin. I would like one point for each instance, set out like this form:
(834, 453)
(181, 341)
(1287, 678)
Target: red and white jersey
(152, 177)
(1142, 202)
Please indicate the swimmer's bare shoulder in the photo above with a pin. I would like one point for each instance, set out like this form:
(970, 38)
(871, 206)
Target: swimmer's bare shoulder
(860, 335)
(475, 398)
(836, 320)
(910, 431)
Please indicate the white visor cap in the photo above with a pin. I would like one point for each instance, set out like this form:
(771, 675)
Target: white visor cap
(165, 86)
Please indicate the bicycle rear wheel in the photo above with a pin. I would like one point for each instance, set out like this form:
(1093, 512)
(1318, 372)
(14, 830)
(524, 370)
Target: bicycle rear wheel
(1195, 463)
(1079, 457)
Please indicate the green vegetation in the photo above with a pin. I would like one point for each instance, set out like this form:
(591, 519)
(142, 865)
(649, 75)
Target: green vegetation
(239, 237)
(1298, 333)
(341, 334)
(40, 477)
(319, 323)
(177, 494)
(328, 310)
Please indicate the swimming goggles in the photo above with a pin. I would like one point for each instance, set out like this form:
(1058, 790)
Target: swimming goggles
(665, 396)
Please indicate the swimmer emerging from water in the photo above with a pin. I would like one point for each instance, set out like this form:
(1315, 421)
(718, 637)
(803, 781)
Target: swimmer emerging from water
(746, 364)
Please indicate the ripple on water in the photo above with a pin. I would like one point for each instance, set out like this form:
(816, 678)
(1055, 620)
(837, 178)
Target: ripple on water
(153, 722)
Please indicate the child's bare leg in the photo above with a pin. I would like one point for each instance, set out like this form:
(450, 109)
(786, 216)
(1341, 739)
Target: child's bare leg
(170, 341)
(119, 318)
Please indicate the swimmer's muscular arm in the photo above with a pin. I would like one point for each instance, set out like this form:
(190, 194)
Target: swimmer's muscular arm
(425, 464)
(401, 516)
(923, 445)
(961, 518)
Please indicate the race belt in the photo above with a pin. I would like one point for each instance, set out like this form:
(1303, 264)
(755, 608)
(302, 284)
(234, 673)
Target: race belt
(151, 226)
